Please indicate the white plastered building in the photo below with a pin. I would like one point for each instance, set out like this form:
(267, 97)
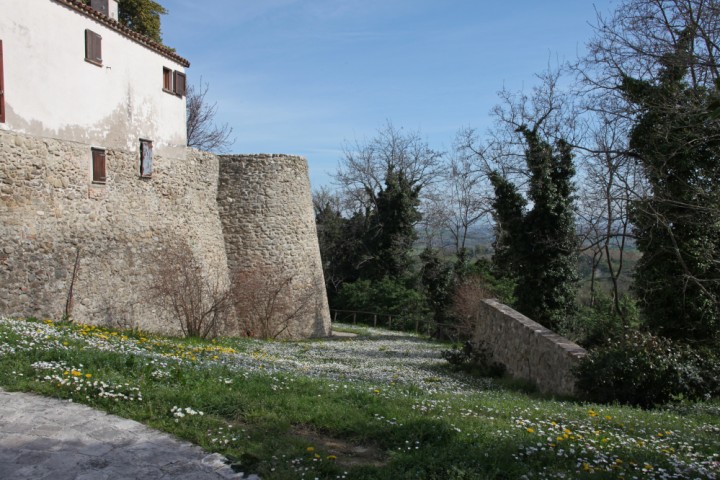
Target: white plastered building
(70, 71)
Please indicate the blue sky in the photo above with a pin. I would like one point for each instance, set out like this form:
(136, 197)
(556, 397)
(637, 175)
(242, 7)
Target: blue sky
(304, 76)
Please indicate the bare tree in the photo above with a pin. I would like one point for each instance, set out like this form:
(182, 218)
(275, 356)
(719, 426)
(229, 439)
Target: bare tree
(366, 164)
(202, 131)
(197, 300)
(612, 179)
(467, 303)
(269, 304)
(458, 201)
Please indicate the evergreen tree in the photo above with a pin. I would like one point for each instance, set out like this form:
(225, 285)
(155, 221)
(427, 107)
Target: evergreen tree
(538, 246)
(391, 231)
(143, 16)
(438, 281)
(341, 244)
(677, 225)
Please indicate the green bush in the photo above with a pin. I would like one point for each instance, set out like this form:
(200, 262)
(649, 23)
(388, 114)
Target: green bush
(593, 325)
(387, 296)
(645, 370)
(474, 359)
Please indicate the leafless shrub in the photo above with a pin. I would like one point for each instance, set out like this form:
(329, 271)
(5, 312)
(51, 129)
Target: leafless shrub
(200, 303)
(269, 304)
(468, 297)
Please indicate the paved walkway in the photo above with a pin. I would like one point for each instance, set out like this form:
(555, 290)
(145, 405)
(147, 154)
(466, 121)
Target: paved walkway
(46, 438)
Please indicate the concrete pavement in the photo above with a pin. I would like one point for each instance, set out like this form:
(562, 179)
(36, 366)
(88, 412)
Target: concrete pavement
(46, 438)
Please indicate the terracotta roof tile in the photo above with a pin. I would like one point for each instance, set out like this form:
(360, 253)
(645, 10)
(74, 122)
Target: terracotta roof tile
(115, 25)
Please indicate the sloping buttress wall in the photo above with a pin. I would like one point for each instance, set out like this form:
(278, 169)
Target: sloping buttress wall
(266, 210)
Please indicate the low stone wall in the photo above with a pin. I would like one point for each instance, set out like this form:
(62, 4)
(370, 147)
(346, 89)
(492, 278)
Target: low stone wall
(528, 350)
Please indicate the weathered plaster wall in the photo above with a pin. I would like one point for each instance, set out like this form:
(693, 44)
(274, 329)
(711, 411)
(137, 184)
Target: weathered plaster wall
(269, 225)
(51, 91)
(49, 209)
(527, 349)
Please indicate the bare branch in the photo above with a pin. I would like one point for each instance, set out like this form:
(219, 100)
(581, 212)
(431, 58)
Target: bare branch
(202, 131)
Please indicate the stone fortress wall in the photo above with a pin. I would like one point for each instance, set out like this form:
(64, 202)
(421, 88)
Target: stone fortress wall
(528, 350)
(51, 215)
(269, 225)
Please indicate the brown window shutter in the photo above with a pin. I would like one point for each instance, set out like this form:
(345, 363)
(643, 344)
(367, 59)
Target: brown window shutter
(93, 47)
(98, 158)
(179, 83)
(2, 87)
(88, 45)
(97, 48)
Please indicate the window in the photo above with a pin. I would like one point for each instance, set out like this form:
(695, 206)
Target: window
(174, 82)
(2, 88)
(93, 47)
(98, 166)
(167, 80)
(179, 84)
(146, 153)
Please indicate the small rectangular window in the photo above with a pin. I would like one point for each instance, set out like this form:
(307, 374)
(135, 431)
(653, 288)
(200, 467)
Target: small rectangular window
(2, 87)
(98, 166)
(167, 80)
(179, 84)
(93, 47)
(146, 158)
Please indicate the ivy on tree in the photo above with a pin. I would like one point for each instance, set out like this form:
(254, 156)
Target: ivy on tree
(391, 232)
(538, 246)
(676, 139)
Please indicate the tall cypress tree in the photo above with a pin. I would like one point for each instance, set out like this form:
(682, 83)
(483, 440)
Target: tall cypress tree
(677, 225)
(538, 246)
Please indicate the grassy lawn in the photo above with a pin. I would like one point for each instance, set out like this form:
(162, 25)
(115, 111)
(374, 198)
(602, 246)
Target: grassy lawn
(383, 405)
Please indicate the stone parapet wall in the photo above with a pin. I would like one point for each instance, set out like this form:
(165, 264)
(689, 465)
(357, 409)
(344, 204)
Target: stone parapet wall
(265, 205)
(50, 211)
(528, 350)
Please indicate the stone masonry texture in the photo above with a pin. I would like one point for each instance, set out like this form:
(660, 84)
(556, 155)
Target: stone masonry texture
(528, 350)
(269, 225)
(51, 214)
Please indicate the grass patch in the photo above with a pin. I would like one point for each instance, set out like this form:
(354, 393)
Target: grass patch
(380, 406)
